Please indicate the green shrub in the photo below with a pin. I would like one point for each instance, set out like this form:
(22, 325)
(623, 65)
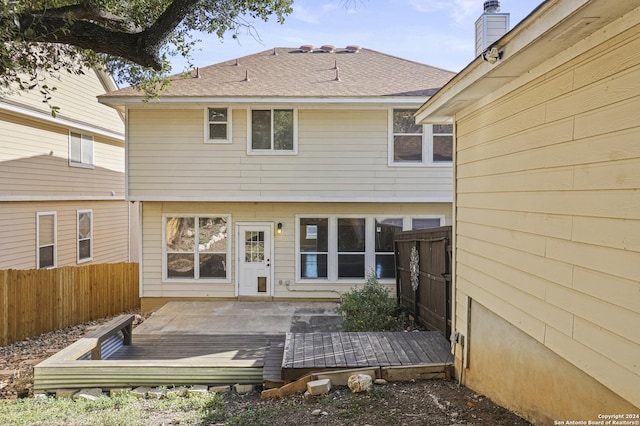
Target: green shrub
(370, 308)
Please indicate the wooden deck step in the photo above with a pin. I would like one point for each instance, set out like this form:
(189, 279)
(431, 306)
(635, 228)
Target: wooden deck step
(309, 352)
(272, 369)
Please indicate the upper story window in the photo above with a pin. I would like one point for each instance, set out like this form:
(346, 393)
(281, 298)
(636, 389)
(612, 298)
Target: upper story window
(414, 144)
(196, 247)
(80, 150)
(442, 142)
(85, 235)
(46, 239)
(273, 131)
(218, 125)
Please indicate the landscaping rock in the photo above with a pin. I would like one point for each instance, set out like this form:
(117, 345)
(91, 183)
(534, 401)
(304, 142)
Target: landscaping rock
(140, 392)
(380, 382)
(198, 389)
(360, 383)
(220, 389)
(66, 393)
(319, 387)
(242, 389)
(89, 394)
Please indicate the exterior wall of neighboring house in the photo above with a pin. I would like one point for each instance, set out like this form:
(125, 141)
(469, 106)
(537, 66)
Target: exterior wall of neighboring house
(286, 280)
(547, 223)
(68, 168)
(341, 155)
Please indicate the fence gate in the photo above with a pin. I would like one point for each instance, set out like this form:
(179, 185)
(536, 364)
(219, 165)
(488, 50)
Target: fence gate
(423, 276)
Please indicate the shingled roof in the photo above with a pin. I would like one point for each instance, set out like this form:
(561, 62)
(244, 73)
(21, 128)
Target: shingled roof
(297, 73)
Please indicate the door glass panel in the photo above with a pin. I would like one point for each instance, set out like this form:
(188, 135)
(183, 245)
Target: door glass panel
(254, 246)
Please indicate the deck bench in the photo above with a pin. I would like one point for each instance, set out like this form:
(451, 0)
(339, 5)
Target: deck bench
(108, 333)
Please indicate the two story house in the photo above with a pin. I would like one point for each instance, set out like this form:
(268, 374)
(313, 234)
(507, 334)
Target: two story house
(62, 200)
(283, 174)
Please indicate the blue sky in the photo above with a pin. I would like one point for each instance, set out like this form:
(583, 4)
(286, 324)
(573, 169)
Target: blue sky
(434, 32)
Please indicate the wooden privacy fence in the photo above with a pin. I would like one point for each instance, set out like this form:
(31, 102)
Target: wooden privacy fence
(423, 276)
(36, 301)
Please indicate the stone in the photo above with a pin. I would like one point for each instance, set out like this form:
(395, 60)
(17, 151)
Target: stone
(220, 389)
(119, 391)
(155, 393)
(341, 377)
(88, 394)
(242, 389)
(66, 393)
(198, 389)
(140, 392)
(319, 387)
(360, 383)
(316, 412)
(380, 382)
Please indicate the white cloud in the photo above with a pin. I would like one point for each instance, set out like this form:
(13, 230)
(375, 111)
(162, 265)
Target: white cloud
(459, 10)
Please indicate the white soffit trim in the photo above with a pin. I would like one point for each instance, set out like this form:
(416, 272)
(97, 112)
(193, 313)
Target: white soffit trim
(62, 198)
(382, 100)
(42, 116)
(555, 26)
(292, 199)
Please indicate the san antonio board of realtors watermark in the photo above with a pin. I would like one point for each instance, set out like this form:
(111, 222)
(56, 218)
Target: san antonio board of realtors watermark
(604, 420)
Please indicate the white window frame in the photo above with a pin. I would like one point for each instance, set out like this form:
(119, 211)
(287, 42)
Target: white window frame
(427, 146)
(83, 137)
(78, 239)
(55, 239)
(207, 136)
(370, 248)
(251, 151)
(196, 266)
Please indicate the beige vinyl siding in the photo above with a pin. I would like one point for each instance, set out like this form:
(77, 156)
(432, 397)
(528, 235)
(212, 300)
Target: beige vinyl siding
(284, 262)
(342, 154)
(18, 224)
(548, 211)
(34, 162)
(76, 95)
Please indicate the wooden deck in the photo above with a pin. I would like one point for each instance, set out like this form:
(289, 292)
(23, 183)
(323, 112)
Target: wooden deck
(307, 352)
(157, 360)
(122, 359)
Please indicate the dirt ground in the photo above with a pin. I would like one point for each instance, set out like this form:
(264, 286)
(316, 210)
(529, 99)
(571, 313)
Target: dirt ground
(434, 402)
(429, 402)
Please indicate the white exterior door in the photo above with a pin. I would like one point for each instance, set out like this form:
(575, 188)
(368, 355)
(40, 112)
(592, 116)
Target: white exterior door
(254, 260)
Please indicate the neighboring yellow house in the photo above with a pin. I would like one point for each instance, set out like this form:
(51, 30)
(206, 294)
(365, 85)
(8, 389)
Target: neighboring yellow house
(547, 214)
(283, 174)
(62, 199)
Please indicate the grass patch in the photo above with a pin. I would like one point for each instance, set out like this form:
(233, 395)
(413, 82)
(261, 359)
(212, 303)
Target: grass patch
(124, 410)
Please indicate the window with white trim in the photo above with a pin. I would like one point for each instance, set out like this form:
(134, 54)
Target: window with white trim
(85, 235)
(46, 231)
(334, 248)
(415, 144)
(196, 247)
(442, 135)
(218, 122)
(80, 150)
(273, 131)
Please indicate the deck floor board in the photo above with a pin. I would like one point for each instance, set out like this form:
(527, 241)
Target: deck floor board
(353, 350)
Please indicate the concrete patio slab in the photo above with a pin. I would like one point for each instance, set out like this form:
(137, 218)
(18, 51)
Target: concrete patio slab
(233, 317)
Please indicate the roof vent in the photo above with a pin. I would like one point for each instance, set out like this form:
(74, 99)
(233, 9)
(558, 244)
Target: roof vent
(328, 48)
(353, 49)
(306, 48)
(492, 6)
